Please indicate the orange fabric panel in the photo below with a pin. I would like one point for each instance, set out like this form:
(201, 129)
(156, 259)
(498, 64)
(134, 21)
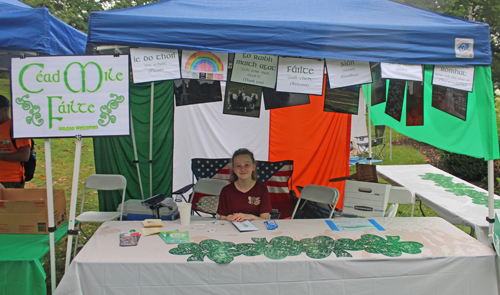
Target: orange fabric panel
(318, 142)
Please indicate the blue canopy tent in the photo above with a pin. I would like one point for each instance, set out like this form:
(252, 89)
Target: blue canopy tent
(25, 31)
(28, 31)
(365, 30)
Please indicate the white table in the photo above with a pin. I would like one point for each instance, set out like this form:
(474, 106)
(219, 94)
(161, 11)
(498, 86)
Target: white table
(451, 262)
(459, 210)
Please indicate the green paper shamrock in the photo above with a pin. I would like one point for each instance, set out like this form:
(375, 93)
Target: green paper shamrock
(322, 246)
(391, 247)
(278, 248)
(219, 252)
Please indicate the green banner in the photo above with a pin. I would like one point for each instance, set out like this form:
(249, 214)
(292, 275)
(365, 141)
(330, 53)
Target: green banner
(475, 136)
(496, 235)
(115, 155)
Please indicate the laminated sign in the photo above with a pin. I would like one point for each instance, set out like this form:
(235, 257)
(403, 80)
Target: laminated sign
(154, 64)
(300, 75)
(342, 73)
(255, 69)
(204, 65)
(65, 96)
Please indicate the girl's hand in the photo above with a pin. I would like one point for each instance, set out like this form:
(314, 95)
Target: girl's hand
(242, 217)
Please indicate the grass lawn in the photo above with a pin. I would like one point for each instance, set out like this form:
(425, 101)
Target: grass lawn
(63, 156)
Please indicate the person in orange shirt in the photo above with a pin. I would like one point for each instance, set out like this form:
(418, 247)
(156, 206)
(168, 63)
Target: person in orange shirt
(11, 168)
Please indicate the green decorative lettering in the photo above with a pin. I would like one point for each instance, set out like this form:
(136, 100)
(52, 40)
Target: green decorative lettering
(82, 68)
(51, 117)
(21, 77)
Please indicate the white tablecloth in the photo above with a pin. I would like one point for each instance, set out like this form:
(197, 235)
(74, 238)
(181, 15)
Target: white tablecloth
(451, 262)
(458, 210)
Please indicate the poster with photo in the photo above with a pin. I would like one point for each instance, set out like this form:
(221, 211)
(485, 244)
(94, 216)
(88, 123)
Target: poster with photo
(300, 75)
(255, 69)
(154, 64)
(275, 100)
(395, 98)
(379, 85)
(190, 91)
(342, 100)
(414, 103)
(204, 65)
(451, 101)
(242, 99)
(457, 77)
(402, 72)
(342, 73)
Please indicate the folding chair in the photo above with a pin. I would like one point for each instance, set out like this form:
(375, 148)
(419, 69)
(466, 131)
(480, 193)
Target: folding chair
(205, 196)
(320, 194)
(400, 196)
(106, 182)
(378, 142)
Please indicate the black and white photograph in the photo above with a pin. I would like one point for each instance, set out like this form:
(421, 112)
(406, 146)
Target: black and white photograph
(379, 85)
(395, 99)
(189, 91)
(275, 100)
(342, 100)
(242, 99)
(450, 100)
(415, 103)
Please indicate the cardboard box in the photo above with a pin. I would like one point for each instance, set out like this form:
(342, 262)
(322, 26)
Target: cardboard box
(24, 211)
(365, 199)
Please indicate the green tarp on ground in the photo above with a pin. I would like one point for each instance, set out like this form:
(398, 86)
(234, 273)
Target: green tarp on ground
(476, 136)
(115, 155)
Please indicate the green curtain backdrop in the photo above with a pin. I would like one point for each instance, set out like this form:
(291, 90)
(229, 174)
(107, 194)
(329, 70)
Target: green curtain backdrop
(115, 155)
(476, 137)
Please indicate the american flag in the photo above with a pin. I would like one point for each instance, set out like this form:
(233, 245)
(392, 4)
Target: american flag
(274, 175)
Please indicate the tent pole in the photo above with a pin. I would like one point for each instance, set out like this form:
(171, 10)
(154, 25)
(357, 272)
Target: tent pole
(151, 140)
(74, 199)
(491, 201)
(369, 132)
(50, 209)
(136, 160)
(390, 143)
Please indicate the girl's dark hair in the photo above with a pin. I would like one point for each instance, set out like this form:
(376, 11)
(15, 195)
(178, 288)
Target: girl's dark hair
(232, 176)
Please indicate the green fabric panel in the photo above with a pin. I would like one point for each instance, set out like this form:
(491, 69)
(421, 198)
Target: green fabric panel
(21, 257)
(115, 155)
(476, 137)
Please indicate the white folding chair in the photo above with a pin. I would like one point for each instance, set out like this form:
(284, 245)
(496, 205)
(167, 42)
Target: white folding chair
(400, 195)
(318, 193)
(106, 182)
(205, 196)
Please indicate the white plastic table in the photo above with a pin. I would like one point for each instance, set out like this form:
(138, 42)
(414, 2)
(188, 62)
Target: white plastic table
(459, 210)
(450, 262)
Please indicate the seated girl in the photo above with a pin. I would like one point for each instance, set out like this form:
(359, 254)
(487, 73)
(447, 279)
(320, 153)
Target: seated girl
(244, 198)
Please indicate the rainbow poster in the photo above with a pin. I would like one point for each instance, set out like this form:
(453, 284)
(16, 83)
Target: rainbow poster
(204, 65)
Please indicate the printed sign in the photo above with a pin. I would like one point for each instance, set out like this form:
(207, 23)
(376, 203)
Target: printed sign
(255, 69)
(458, 77)
(464, 48)
(342, 73)
(300, 75)
(65, 96)
(204, 65)
(154, 64)
(402, 72)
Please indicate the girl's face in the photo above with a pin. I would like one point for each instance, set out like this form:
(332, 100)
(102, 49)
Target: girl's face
(243, 167)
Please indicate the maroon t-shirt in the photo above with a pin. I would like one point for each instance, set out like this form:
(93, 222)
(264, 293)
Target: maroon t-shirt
(256, 201)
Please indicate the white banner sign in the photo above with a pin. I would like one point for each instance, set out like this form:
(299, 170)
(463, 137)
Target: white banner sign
(402, 72)
(154, 64)
(255, 69)
(458, 77)
(204, 65)
(342, 73)
(300, 75)
(65, 96)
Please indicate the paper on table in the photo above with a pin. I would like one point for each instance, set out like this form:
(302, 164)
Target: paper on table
(152, 223)
(244, 226)
(150, 231)
(354, 224)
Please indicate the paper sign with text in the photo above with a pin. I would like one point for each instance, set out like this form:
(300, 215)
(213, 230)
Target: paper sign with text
(458, 77)
(402, 72)
(154, 64)
(204, 65)
(65, 96)
(342, 73)
(300, 75)
(255, 69)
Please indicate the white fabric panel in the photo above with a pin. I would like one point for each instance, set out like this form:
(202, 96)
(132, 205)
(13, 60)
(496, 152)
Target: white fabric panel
(450, 262)
(459, 210)
(203, 131)
(358, 122)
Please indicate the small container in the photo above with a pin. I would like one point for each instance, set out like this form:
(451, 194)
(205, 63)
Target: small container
(271, 224)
